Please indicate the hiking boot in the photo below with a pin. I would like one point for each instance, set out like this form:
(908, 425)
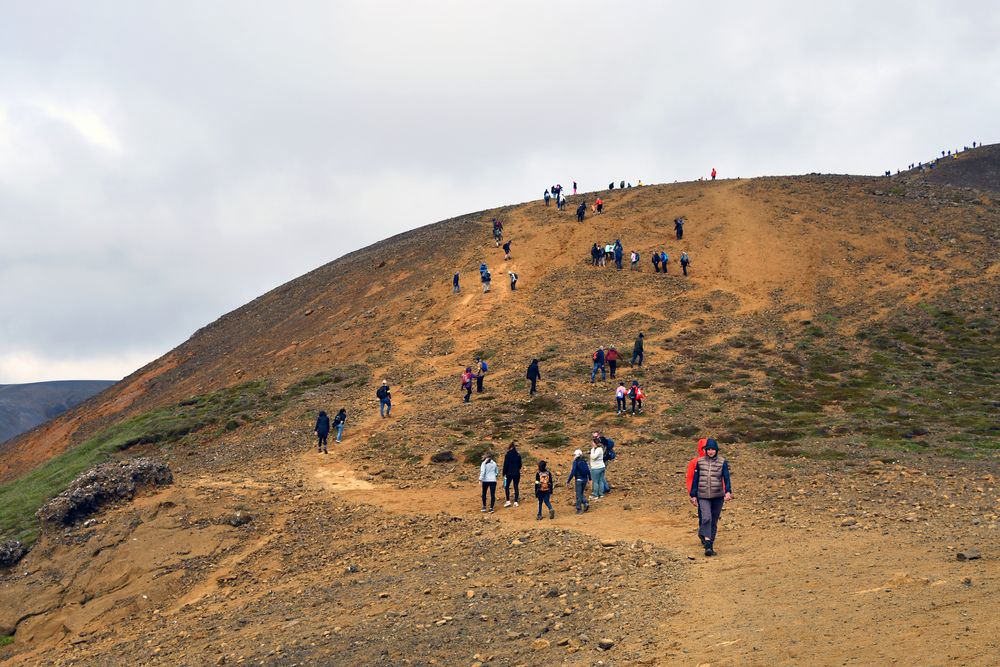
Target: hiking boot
(709, 551)
(538, 518)
(491, 510)
(552, 514)
(516, 504)
(507, 504)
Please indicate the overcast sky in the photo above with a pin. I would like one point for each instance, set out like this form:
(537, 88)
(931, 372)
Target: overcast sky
(162, 163)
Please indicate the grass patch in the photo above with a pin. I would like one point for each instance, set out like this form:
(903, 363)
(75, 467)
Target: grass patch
(541, 404)
(6, 640)
(551, 440)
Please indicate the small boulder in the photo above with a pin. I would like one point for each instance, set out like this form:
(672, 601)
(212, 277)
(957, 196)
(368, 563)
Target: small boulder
(447, 456)
(238, 518)
(11, 551)
(605, 644)
(972, 553)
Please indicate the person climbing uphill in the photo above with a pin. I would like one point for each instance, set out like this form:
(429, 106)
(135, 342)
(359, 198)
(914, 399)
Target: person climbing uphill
(384, 399)
(512, 474)
(338, 423)
(597, 468)
(710, 488)
(620, 398)
(486, 278)
(534, 375)
(679, 227)
(513, 280)
(322, 431)
(581, 211)
(636, 394)
(547, 197)
(637, 350)
(685, 261)
(579, 474)
(488, 480)
(454, 284)
(467, 383)
(612, 358)
(598, 365)
(497, 231)
(543, 489)
(481, 368)
(506, 249)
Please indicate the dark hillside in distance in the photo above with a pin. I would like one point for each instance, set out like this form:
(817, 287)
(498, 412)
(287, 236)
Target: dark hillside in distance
(25, 406)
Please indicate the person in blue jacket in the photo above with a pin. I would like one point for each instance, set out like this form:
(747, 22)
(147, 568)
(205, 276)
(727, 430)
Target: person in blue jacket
(598, 365)
(580, 475)
(710, 488)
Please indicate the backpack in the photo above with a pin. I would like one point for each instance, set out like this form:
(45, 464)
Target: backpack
(545, 481)
(595, 357)
(487, 277)
(382, 391)
(484, 367)
(609, 449)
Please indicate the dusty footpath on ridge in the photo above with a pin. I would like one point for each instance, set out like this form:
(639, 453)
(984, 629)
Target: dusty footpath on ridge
(837, 335)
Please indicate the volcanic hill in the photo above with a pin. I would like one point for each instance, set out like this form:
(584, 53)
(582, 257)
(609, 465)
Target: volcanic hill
(836, 334)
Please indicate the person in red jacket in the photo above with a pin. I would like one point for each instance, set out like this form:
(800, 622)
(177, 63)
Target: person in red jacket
(713, 173)
(612, 358)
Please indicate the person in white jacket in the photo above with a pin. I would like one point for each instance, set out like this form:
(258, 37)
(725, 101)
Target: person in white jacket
(597, 470)
(488, 479)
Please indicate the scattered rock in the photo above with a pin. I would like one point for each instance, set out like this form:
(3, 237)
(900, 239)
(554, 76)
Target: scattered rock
(605, 644)
(11, 551)
(540, 644)
(972, 553)
(447, 456)
(849, 521)
(238, 518)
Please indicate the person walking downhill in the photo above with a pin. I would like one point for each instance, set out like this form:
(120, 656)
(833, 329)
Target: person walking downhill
(534, 375)
(710, 488)
(454, 284)
(512, 474)
(487, 278)
(581, 211)
(579, 474)
(467, 383)
(598, 365)
(322, 431)
(488, 479)
(506, 249)
(384, 399)
(612, 358)
(656, 261)
(620, 398)
(685, 260)
(338, 423)
(543, 489)
(689, 477)
(637, 352)
(513, 280)
(679, 228)
(597, 468)
(481, 368)
(547, 197)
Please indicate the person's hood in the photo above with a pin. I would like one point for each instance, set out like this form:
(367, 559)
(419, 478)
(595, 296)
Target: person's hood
(701, 446)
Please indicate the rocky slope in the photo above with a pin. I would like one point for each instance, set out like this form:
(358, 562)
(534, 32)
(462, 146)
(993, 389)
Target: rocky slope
(837, 334)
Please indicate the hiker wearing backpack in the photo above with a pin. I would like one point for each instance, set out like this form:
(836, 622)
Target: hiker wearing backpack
(634, 266)
(497, 231)
(664, 258)
(533, 375)
(689, 477)
(636, 394)
(637, 350)
(486, 278)
(620, 398)
(481, 368)
(597, 468)
(322, 431)
(513, 280)
(710, 488)
(609, 455)
(338, 423)
(467, 383)
(581, 211)
(679, 228)
(656, 261)
(454, 284)
(685, 260)
(598, 365)
(612, 358)
(384, 399)
(547, 197)
(512, 474)
(488, 480)
(619, 251)
(543, 490)
(580, 475)
(506, 249)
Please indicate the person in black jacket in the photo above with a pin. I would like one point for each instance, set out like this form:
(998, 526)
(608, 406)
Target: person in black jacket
(512, 474)
(637, 350)
(338, 423)
(322, 431)
(534, 375)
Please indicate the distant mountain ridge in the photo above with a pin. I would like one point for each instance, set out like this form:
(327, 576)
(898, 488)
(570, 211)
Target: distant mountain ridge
(25, 406)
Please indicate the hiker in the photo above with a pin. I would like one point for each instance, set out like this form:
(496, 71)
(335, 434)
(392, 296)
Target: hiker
(685, 260)
(618, 250)
(454, 284)
(634, 266)
(620, 398)
(713, 173)
(663, 260)
(543, 490)
(467, 383)
(636, 394)
(609, 253)
(595, 256)
(384, 399)
(486, 278)
(689, 478)
(597, 468)
(512, 474)
(598, 365)
(679, 228)
(581, 211)
(506, 249)
(322, 431)
(612, 358)
(608, 445)
(599, 204)
(710, 488)
(338, 423)
(621, 186)
(513, 280)
(534, 375)
(611, 185)
(488, 479)
(637, 350)
(656, 261)
(547, 197)
(579, 474)
(481, 368)
(574, 187)
(497, 231)
(562, 200)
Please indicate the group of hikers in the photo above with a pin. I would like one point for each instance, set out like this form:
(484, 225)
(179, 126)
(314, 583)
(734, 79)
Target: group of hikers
(322, 429)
